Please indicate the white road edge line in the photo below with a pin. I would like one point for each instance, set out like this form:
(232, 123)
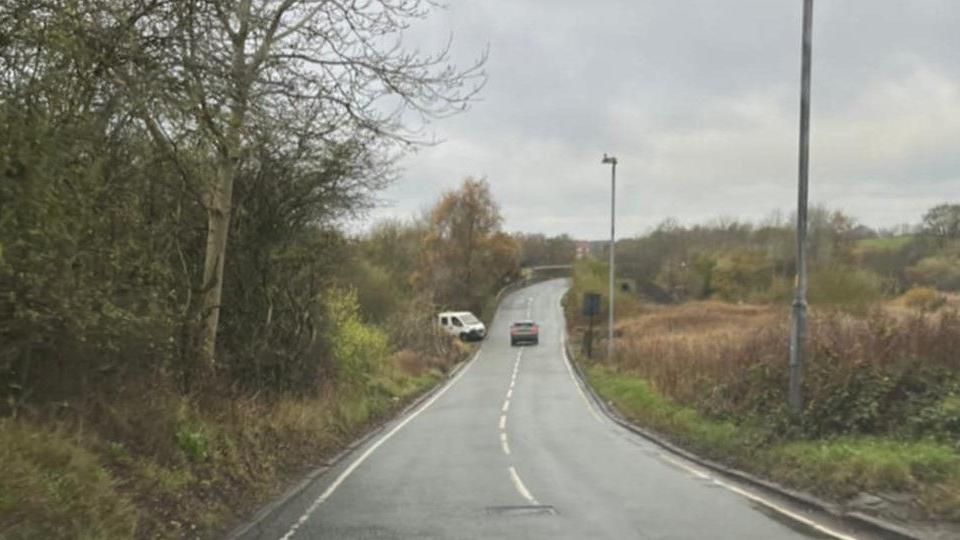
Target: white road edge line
(753, 497)
(363, 457)
(573, 377)
(758, 499)
(522, 489)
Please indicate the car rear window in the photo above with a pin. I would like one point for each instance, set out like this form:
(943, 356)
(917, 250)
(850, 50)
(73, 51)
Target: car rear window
(525, 324)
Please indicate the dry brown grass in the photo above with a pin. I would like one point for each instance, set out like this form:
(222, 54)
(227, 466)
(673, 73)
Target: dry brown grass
(731, 359)
(416, 363)
(697, 318)
(677, 348)
(882, 396)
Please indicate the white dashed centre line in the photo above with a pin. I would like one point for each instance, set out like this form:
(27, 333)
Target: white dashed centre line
(504, 444)
(522, 489)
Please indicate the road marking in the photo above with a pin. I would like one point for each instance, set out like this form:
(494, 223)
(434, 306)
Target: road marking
(503, 421)
(758, 499)
(693, 470)
(510, 392)
(573, 377)
(503, 444)
(522, 489)
(506, 405)
(363, 457)
(684, 466)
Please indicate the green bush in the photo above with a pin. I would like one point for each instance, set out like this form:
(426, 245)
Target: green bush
(741, 273)
(844, 287)
(591, 276)
(940, 419)
(358, 350)
(941, 272)
(377, 294)
(193, 443)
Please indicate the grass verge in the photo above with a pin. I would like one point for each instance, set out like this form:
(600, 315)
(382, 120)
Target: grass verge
(925, 475)
(157, 464)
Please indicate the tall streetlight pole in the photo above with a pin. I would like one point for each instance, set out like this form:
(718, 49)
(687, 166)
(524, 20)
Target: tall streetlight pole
(799, 333)
(613, 209)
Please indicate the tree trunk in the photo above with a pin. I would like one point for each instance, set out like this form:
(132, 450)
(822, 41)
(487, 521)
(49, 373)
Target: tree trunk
(220, 197)
(218, 226)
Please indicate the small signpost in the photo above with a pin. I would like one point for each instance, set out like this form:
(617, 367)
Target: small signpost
(591, 308)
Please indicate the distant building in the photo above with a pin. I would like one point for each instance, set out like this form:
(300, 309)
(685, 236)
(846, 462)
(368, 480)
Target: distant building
(583, 250)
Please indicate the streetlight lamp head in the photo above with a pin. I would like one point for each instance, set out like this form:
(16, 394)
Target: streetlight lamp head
(609, 159)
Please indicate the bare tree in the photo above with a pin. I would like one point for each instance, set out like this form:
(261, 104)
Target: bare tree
(216, 78)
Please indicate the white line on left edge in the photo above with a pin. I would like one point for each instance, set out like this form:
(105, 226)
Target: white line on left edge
(363, 457)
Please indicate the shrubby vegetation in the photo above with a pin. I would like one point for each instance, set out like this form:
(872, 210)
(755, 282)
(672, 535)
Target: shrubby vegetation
(542, 250)
(882, 377)
(850, 265)
(183, 321)
(466, 256)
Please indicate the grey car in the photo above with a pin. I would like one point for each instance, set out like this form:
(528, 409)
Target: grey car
(524, 332)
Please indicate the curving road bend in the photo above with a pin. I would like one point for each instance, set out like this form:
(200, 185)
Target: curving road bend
(511, 448)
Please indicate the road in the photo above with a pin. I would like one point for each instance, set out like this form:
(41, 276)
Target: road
(512, 448)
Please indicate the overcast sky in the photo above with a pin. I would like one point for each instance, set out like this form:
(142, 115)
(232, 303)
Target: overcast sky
(699, 100)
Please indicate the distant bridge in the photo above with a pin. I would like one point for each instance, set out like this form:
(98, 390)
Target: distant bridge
(547, 271)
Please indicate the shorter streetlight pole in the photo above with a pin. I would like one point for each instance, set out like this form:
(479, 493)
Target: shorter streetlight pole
(612, 161)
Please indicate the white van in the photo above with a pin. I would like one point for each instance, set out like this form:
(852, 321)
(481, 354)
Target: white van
(462, 324)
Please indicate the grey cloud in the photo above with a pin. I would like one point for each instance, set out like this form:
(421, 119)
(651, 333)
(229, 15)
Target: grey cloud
(698, 98)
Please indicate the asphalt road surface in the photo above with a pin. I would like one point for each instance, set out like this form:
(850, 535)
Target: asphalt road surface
(512, 448)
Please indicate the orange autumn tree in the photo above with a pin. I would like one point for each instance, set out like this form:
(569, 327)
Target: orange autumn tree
(466, 256)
